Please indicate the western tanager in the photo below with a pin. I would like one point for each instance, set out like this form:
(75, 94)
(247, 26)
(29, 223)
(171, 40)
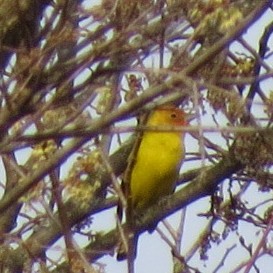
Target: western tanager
(159, 158)
(157, 161)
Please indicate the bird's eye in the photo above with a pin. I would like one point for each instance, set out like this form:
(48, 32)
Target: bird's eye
(173, 115)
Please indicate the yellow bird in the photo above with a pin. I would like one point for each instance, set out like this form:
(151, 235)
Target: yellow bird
(158, 160)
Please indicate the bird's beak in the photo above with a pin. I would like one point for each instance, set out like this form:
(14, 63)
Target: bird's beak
(190, 117)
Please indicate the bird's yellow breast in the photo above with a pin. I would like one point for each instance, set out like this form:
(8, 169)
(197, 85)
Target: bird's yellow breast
(156, 168)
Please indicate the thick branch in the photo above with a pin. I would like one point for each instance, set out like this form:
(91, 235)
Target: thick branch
(204, 184)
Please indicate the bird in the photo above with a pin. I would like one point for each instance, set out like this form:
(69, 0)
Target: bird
(159, 157)
(157, 161)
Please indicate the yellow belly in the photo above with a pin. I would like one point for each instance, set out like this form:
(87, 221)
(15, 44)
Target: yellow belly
(155, 172)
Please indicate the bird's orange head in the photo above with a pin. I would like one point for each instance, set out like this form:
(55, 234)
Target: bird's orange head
(168, 115)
